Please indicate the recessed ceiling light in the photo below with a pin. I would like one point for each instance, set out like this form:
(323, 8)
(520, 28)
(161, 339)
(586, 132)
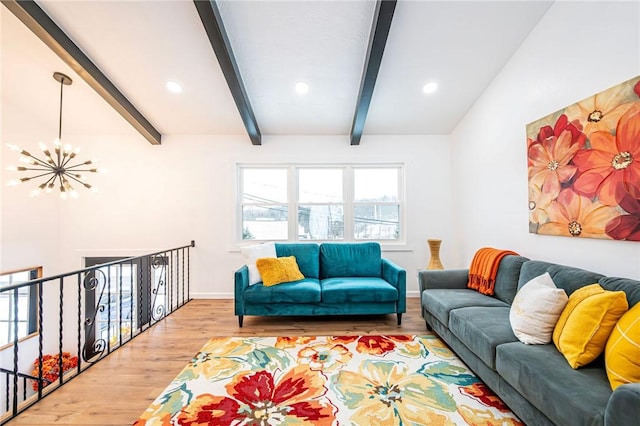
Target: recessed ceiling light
(302, 87)
(174, 87)
(430, 87)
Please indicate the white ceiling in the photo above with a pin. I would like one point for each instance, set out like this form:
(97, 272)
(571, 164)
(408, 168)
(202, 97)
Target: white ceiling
(140, 45)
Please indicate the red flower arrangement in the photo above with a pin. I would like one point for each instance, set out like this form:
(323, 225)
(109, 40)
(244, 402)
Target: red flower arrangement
(51, 368)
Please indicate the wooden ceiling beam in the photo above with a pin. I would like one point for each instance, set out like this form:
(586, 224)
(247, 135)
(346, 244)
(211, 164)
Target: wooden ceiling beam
(380, 27)
(55, 38)
(214, 27)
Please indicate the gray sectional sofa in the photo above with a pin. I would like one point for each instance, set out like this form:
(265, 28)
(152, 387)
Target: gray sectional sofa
(535, 381)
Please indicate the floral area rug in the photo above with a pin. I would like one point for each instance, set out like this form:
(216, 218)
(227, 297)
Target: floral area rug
(339, 380)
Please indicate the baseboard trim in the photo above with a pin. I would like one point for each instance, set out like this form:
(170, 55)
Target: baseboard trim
(209, 295)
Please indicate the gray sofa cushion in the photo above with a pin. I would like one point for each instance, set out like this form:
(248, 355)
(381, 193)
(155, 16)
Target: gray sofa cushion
(507, 278)
(481, 329)
(629, 286)
(441, 301)
(565, 277)
(542, 375)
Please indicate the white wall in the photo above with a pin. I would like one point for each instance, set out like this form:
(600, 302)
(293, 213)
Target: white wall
(578, 49)
(157, 197)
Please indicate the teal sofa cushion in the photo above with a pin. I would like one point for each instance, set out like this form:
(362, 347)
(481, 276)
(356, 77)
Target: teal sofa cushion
(320, 310)
(542, 375)
(303, 291)
(350, 260)
(306, 254)
(482, 329)
(357, 290)
(440, 302)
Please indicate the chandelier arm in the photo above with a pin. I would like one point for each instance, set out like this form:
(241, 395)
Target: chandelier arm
(66, 161)
(78, 170)
(76, 179)
(59, 178)
(51, 179)
(40, 175)
(24, 169)
(44, 163)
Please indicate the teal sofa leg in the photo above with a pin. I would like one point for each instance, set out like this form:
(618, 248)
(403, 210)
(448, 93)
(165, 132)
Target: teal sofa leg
(240, 318)
(399, 319)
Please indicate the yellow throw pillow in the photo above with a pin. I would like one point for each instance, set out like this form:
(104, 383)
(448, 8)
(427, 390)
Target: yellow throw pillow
(622, 355)
(586, 322)
(276, 270)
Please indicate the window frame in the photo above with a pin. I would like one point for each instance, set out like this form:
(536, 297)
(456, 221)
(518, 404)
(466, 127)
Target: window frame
(33, 328)
(348, 203)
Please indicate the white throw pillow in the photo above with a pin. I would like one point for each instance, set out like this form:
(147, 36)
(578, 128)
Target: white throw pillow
(536, 309)
(253, 253)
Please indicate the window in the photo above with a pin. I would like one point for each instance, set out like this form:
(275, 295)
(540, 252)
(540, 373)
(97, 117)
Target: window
(26, 315)
(320, 202)
(265, 215)
(376, 204)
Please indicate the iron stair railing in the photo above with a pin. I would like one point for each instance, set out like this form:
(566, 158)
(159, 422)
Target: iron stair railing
(108, 304)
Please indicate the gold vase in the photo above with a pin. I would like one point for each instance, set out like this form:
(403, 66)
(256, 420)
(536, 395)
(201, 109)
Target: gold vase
(434, 248)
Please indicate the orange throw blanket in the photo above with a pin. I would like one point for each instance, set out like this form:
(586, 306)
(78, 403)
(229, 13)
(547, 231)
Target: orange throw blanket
(484, 268)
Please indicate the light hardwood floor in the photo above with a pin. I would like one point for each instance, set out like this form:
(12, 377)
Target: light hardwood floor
(119, 388)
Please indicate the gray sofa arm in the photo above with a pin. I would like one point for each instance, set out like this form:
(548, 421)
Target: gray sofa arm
(447, 278)
(623, 407)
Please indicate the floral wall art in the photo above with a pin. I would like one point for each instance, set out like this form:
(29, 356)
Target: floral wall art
(584, 167)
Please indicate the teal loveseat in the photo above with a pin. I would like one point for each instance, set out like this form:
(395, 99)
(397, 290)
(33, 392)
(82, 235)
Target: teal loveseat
(535, 381)
(340, 279)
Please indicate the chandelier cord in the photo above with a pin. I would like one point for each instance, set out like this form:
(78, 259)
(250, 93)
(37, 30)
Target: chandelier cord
(60, 117)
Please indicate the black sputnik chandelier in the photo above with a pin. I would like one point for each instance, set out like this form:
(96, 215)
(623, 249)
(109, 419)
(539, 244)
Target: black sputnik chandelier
(57, 168)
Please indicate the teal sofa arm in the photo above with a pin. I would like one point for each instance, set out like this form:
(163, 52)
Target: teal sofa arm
(446, 278)
(623, 407)
(397, 277)
(241, 279)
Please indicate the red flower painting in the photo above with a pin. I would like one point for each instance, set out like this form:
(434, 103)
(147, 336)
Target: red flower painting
(584, 167)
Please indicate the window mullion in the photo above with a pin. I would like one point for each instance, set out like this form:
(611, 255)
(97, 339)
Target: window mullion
(348, 204)
(293, 202)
